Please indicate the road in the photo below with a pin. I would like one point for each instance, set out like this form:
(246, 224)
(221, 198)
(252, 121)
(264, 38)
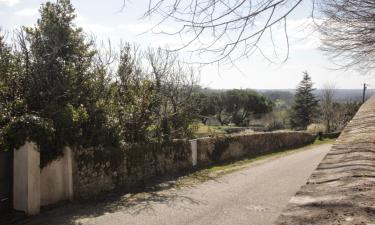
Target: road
(254, 195)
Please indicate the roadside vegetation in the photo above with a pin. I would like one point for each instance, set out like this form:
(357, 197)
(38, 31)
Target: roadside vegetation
(59, 87)
(219, 170)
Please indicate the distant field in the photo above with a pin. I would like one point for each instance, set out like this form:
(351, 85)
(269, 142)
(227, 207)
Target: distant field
(206, 130)
(202, 130)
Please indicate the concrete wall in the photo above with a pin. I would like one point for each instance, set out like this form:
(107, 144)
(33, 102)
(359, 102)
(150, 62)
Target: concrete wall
(341, 190)
(26, 179)
(95, 171)
(56, 182)
(34, 187)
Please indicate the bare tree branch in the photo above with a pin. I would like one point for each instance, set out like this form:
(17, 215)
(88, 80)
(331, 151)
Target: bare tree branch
(348, 33)
(218, 28)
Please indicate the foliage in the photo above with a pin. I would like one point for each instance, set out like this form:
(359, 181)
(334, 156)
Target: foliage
(57, 103)
(304, 109)
(156, 105)
(58, 89)
(208, 105)
(202, 130)
(274, 125)
(12, 103)
(135, 98)
(282, 99)
(343, 112)
(327, 107)
(174, 84)
(316, 128)
(232, 106)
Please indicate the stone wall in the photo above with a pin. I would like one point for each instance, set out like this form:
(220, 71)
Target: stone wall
(341, 190)
(95, 171)
(212, 150)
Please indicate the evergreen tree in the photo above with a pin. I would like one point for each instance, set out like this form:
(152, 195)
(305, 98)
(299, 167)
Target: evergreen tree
(305, 104)
(64, 104)
(10, 86)
(60, 59)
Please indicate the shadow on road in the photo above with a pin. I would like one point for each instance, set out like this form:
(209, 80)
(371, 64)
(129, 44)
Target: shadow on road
(140, 201)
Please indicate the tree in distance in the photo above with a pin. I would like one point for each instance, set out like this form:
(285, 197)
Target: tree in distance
(305, 106)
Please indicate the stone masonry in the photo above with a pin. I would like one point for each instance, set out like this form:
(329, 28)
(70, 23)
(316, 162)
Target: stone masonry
(341, 191)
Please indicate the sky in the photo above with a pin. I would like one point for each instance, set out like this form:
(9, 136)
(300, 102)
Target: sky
(106, 20)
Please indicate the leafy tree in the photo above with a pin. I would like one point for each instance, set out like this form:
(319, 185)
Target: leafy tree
(208, 105)
(305, 105)
(58, 89)
(233, 106)
(9, 79)
(62, 103)
(135, 97)
(244, 104)
(11, 88)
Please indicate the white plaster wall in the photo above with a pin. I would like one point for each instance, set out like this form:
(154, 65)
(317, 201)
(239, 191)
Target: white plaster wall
(56, 180)
(34, 179)
(194, 154)
(33, 187)
(26, 179)
(20, 179)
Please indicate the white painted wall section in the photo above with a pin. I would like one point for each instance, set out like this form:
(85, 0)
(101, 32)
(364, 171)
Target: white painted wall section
(194, 154)
(26, 179)
(56, 180)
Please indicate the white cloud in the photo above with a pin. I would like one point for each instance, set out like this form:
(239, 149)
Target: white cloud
(80, 18)
(27, 12)
(9, 2)
(142, 27)
(97, 28)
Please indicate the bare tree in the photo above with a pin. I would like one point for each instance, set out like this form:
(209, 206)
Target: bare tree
(348, 33)
(230, 30)
(152, 95)
(174, 83)
(327, 106)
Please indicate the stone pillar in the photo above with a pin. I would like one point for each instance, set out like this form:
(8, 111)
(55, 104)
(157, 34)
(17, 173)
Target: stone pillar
(26, 179)
(194, 155)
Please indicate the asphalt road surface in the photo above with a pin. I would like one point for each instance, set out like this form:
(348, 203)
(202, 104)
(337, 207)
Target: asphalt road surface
(254, 195)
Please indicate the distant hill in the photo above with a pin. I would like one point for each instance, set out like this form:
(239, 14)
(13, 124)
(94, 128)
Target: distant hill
(339, 94)
(349, 94)
(287, 95)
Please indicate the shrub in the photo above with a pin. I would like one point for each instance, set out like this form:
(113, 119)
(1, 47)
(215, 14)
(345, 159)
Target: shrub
(315, 128)
(275, 125)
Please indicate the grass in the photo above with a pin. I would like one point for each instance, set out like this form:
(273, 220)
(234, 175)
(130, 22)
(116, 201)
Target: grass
(211, 173)
(203, 130)
(324, 141)
(217, 171)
